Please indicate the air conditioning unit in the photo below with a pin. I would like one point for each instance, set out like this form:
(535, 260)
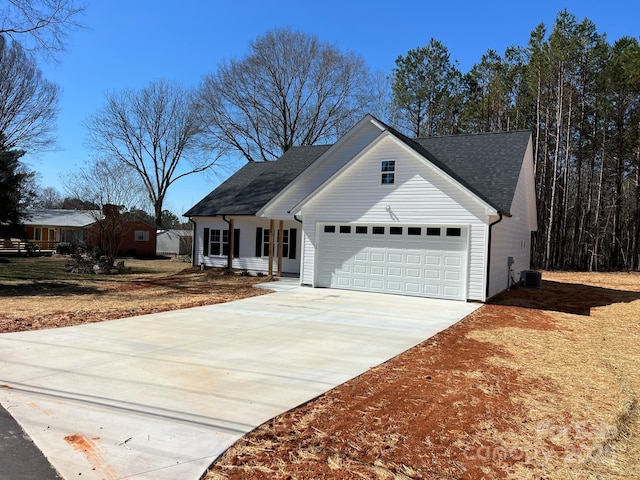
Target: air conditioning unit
(530, 279)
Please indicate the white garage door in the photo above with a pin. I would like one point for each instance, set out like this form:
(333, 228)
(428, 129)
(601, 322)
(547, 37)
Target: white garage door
(426, 261)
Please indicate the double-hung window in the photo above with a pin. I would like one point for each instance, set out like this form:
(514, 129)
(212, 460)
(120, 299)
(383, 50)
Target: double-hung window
(388, 172)
(141, 235)
(216, 242)
(289, 239)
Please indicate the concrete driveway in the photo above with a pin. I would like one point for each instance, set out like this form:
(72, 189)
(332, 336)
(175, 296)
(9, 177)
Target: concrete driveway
(161, 396)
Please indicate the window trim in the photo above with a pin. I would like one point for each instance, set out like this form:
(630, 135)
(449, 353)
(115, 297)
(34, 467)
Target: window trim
(144, 236)
(289, 242)
(388, 172)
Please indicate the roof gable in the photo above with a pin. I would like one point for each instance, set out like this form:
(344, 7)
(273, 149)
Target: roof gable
(256, 183)
(486, 165)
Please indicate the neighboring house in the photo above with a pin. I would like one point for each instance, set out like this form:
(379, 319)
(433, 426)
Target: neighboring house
(174, 242)
(47, 228)
(446, 217)
(138, 238)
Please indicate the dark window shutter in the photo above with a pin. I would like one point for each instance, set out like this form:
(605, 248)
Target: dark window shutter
(205, 243)
(259, 242)
(236, 242)
(293, 242)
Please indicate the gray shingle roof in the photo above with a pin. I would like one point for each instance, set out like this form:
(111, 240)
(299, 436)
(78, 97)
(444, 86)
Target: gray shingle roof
(256, 183)
(488, 164)
(61, 218)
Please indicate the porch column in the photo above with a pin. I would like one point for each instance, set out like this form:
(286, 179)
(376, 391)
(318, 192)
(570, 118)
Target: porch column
(272, 234)
(231, 245)
(280, 238)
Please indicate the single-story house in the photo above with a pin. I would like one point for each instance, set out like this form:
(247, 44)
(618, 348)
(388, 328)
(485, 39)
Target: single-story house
(174, 242)
(48, 227)
(446, 217)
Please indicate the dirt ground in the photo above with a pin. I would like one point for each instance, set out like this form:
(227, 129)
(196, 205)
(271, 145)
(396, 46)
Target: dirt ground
(538, 384)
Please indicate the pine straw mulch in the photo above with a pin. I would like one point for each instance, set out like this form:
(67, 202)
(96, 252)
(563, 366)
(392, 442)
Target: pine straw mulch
(62, 302)
(539, 384)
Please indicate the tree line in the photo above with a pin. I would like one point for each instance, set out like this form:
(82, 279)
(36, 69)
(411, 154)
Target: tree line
(578, 94)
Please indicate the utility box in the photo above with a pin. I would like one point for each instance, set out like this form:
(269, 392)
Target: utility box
(530, 279)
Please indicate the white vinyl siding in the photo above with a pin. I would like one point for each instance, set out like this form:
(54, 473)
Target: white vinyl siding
(512, 236)
(420, 196)
(313, 177)
(247, 260)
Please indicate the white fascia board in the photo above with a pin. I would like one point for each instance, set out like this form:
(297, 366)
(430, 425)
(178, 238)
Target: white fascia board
(368, 118)
(489, 210)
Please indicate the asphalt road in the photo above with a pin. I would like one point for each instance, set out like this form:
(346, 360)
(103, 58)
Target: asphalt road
(20, 459)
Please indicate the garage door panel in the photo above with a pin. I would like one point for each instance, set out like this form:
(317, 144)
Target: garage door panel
(412, 273)
(451, 292)
(377, 270)
(430, 274)
(360, 283)
(452, 276)
(433, 260)
(452, 261)
(395, 287)
(394, 271)
(395, 258)
(413, 259)
(431, 290)
(377, 257)
(421, 265)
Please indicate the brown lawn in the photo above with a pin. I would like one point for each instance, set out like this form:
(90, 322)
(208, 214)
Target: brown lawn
(539, 384)
(37, 293)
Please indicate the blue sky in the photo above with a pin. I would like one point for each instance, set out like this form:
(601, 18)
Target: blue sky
(128, 43)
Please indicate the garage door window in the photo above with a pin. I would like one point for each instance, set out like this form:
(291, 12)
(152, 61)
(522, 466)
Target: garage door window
(329, 229)
(361, 229)
(454, 232)
(433, 232)
(345, 229)
(395, 230)
(377, 230)
(414, 231)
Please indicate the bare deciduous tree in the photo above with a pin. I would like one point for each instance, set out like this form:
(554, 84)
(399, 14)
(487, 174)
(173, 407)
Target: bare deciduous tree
(28, 102)
(291, 89)
(39, 24)
(102, 182)
(154, 132)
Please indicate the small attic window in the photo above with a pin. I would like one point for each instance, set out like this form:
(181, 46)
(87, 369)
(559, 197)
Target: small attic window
(388, 172)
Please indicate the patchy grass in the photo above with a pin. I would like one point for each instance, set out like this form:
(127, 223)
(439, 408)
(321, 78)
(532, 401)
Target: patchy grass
(37, 292)
(539, 384)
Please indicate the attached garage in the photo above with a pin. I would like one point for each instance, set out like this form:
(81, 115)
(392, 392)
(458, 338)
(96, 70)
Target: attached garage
(447, 217)
(418, 260)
